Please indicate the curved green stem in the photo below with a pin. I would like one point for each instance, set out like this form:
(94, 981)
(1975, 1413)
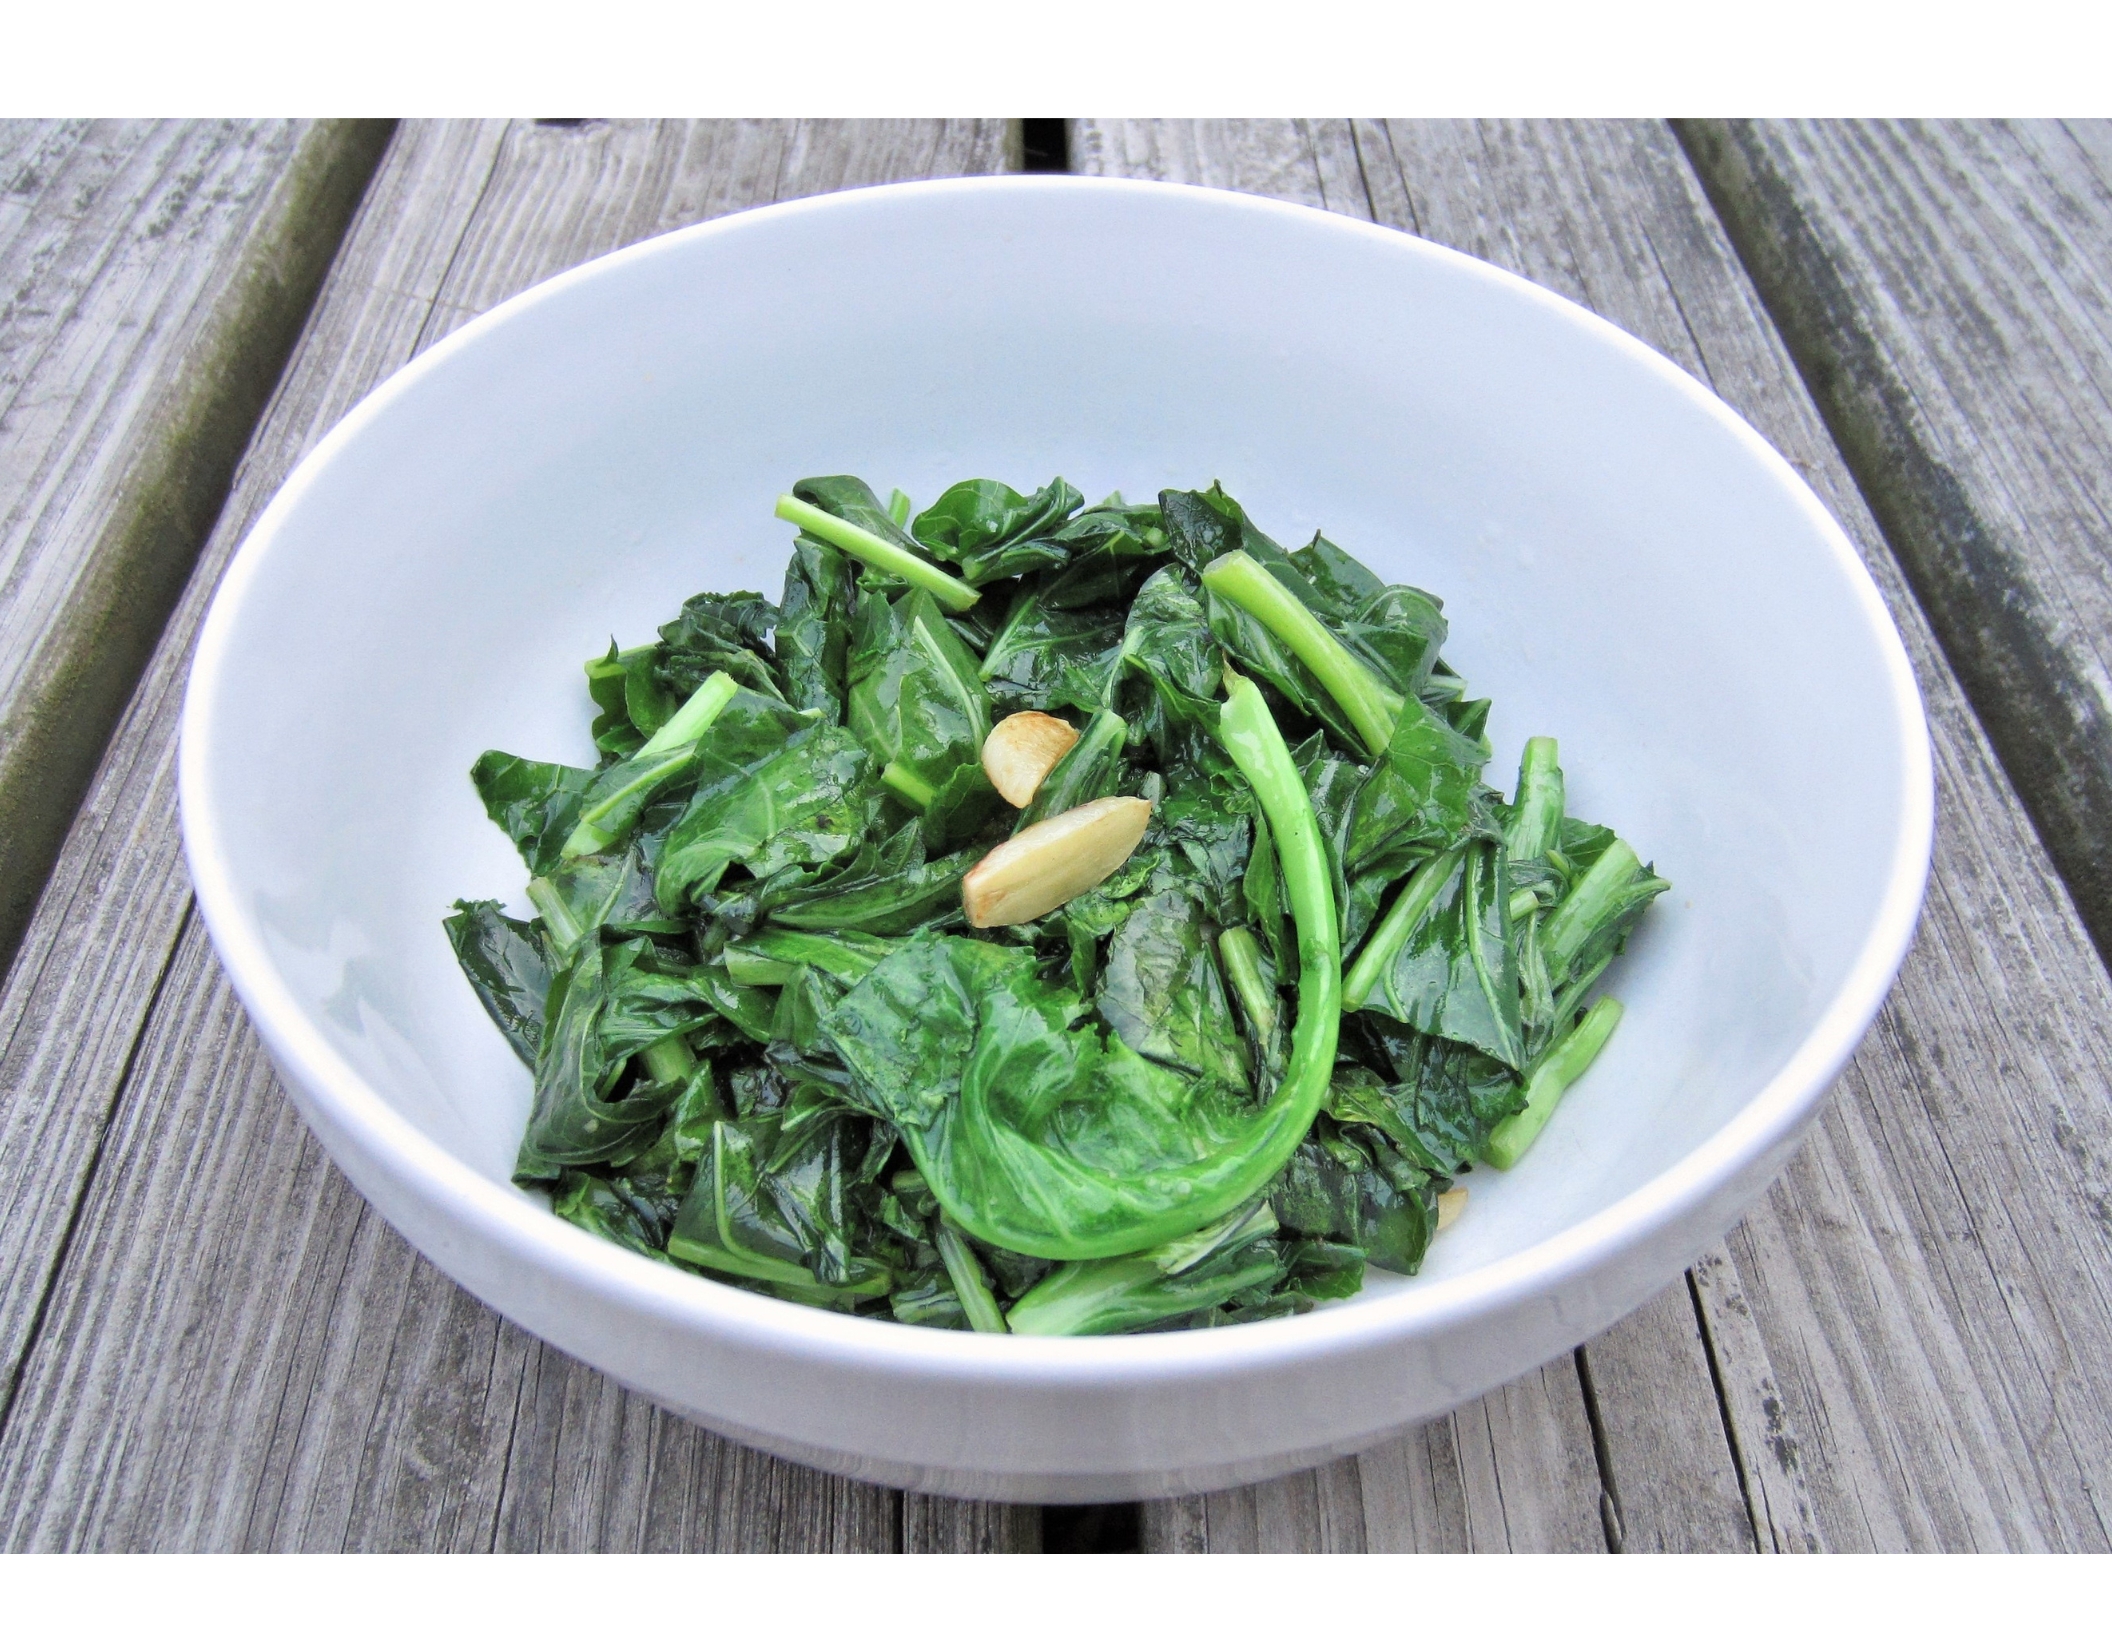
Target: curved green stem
(1371, 704)
(876, 551)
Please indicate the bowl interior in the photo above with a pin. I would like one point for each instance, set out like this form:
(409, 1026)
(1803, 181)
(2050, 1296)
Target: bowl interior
(1624, 566)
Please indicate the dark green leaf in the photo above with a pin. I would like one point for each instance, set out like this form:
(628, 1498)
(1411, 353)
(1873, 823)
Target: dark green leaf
(916, 700)
(505, 962)
(1048, 659)
(582, 1112)
(1162, 991)
(813, 640)
(805, 804)
(1456, 977)
(991, 532)
(730, 632)
(536, 804)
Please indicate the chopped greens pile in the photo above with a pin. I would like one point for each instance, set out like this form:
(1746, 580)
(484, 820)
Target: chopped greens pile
(1201, 1014)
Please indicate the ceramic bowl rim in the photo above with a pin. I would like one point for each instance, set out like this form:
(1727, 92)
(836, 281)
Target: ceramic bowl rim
(533, 1236)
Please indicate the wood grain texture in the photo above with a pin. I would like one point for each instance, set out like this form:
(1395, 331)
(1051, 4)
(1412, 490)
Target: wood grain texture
(209, 1340)
(1512, 1472)
(153, 277)
(1903, 1338)
(1947, 290)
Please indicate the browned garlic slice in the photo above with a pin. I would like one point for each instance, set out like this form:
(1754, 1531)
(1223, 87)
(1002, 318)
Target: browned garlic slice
(1022, 749)
(1037, 870)
(1450, 1205)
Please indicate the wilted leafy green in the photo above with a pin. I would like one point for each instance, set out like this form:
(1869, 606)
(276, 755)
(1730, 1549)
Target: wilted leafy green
(766, 1046)
(916, 701)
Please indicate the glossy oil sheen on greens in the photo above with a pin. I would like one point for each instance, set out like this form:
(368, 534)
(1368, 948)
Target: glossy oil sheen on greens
(763, 1045)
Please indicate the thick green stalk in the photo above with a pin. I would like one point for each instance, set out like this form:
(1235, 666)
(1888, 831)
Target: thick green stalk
(1385, 942)
(966, 1273)
(558, 917)
(1536, 813)
(670, 1060)
(694, 717)
(1241, 954)
(664, 755)
(876, 551)
(1549, 1080)
(1371, 704)
(1569, 926)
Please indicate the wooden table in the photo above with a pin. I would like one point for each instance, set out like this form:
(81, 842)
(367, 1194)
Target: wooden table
(208, 1341)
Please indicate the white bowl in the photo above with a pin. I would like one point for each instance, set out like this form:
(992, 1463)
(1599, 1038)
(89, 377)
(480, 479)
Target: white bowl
(1626, 564)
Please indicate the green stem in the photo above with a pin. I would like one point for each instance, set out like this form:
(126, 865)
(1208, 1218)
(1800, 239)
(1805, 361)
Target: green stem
(965, 1271)
(693, 718)
(1569, 926)
(1119, 1294)
(1372, 705)
(908, 784)
(558, 919)
(1249, 734)
(1536, 814)
(746, 968)
(876, 551)
(1242, 958)
(1144, 1207)
(670, 1060)
(1399, 923)
(664, 755)
(1549, 1080)
(1083, 774)
(1522, 902)
(898, 508)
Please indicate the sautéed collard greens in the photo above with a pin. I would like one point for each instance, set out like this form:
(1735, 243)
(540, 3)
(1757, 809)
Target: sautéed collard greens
(1202, 1014)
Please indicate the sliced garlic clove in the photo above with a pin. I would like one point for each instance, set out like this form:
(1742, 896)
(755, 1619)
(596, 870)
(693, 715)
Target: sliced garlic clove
(1022, 749)
(1037, 870)
(1450, 1205)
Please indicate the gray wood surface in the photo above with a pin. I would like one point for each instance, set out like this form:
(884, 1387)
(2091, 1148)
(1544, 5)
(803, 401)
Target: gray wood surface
(1947, 290)
(1901, 1347)
(206, 1338)
(153, 277)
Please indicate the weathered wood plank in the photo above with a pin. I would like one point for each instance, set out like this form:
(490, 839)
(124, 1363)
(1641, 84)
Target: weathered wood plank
(1947, 290)
(153, 278)
(1901, 1337)
(223, 1347)
(1512, 1472)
